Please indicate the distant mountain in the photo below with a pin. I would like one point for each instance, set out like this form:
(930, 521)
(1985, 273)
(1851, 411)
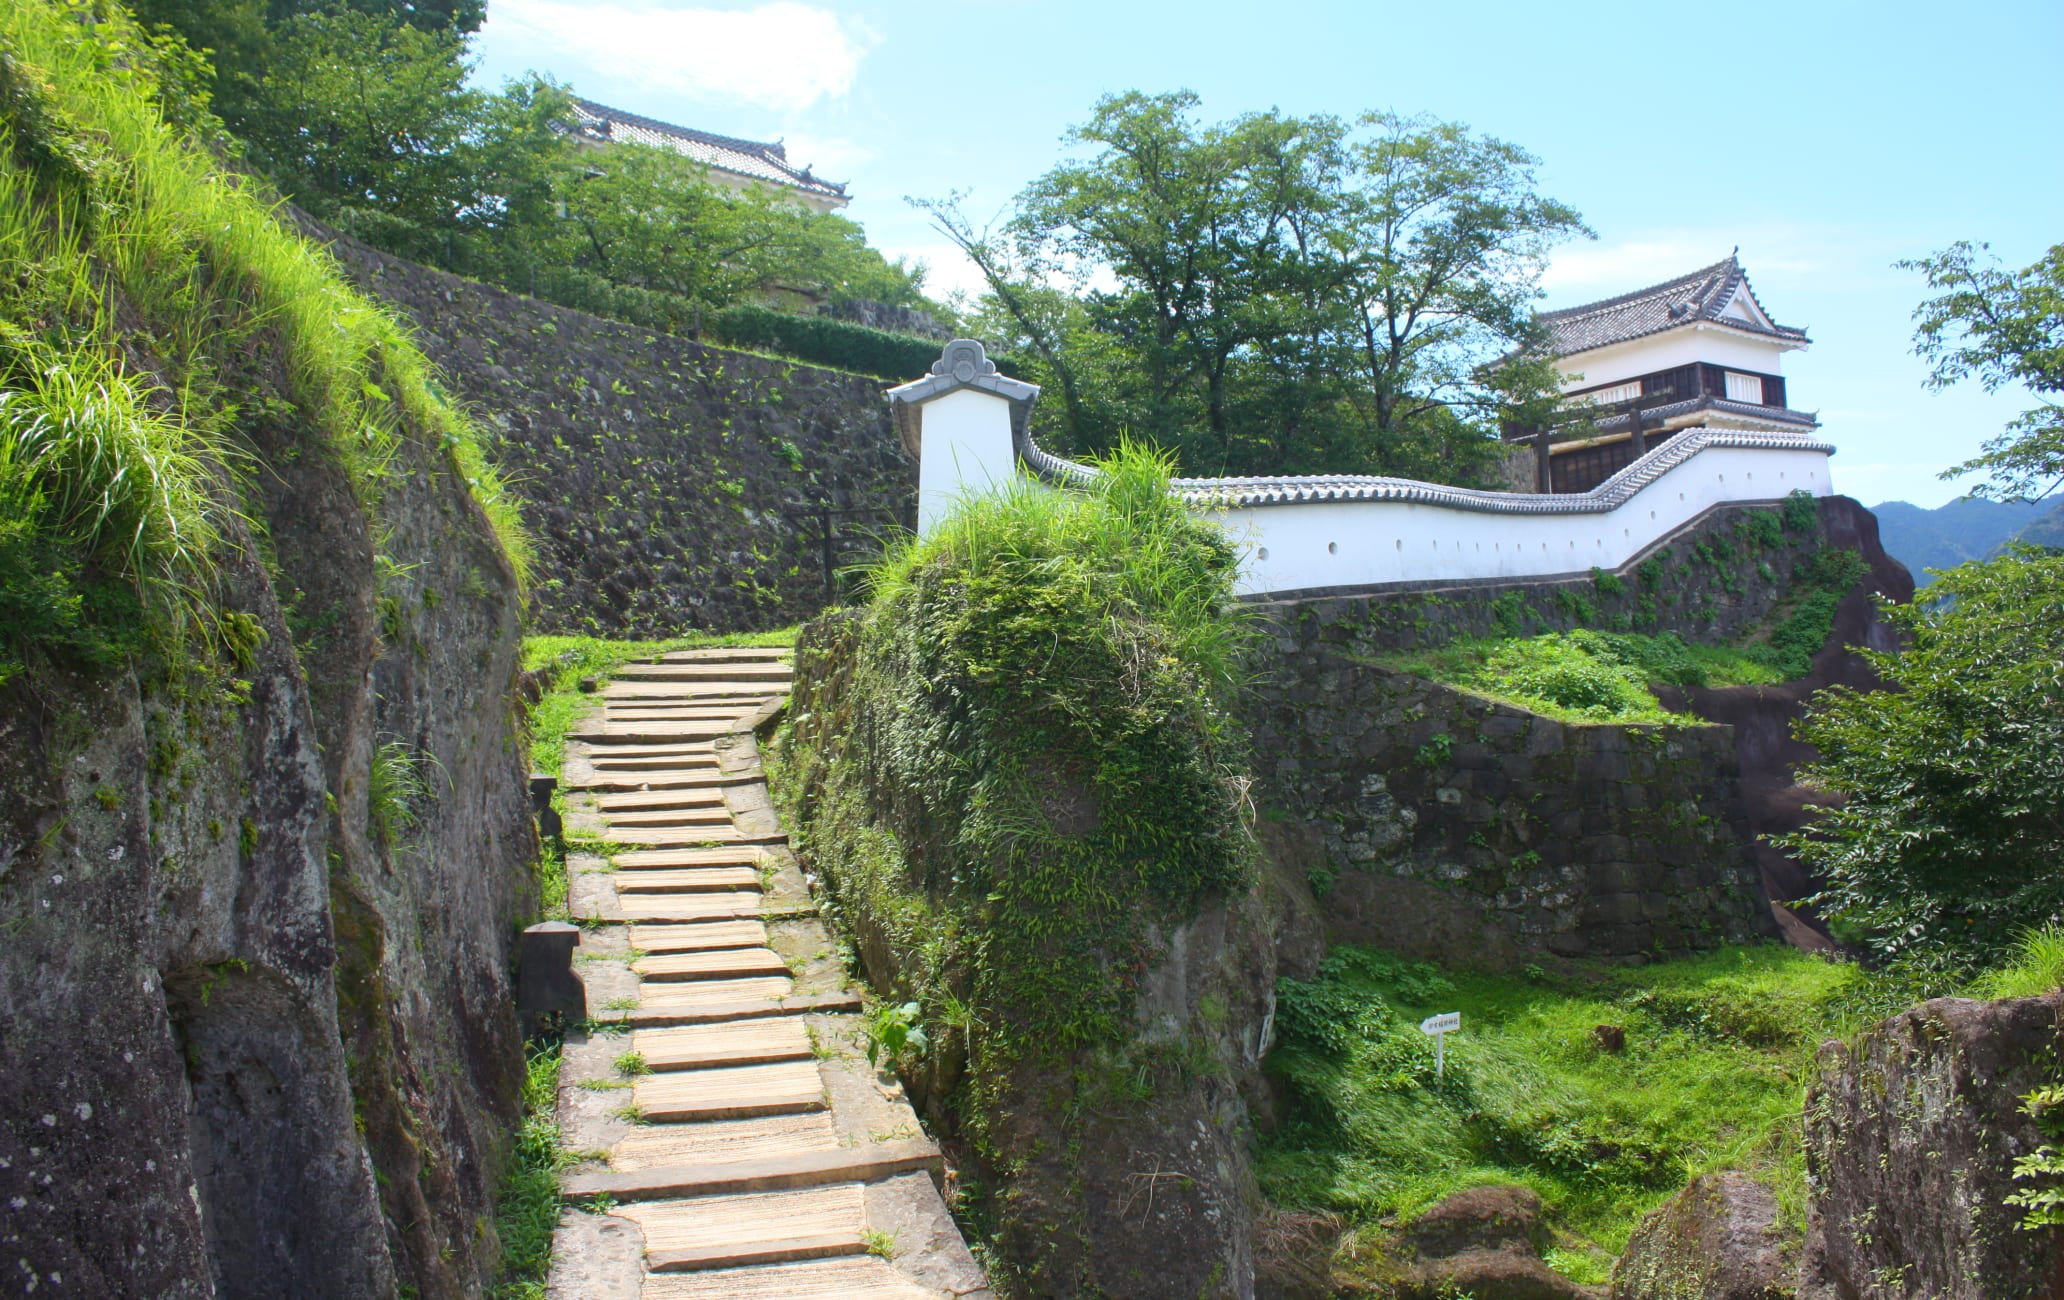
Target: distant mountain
(1965, 529)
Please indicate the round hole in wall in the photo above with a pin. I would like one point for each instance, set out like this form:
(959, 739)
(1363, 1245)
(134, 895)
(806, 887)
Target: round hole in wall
(1332, 548)
(1261, 554)
(1401, 543)
(1651, 514)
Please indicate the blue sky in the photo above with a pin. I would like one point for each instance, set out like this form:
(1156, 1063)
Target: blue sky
(1827, 140)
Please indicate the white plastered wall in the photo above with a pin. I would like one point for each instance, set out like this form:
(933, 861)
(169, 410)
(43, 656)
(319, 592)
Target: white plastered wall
(1666, 351)
(1345, 544)
(1288, 548)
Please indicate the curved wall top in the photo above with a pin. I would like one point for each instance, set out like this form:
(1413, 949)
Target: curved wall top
(968, 427)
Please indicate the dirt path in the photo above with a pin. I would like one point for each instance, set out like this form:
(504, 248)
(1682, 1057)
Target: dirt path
(741, 1147)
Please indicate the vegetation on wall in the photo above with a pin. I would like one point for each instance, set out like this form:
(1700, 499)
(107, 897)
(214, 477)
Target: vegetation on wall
(118, 229)
(1029, 767)
(1584, 675)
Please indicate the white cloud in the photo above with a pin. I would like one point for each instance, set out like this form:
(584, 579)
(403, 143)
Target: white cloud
(782, 55)
(832, 156)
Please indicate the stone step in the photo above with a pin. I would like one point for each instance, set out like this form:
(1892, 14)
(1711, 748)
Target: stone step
(857, 1277)
(808, 1004)
(699, 763)
(650, 908)
(733, 1092)
(678, 749)
(741, 695)
(694, 815)
(637, 799)
(741, 654)
(663, 711)
(710, 936)
(691, 837)
(735, 855)
(725, 963)
(762, 1137)
(750, 1228)
(732, 679)
(687, 880)
(862, 1164)
(739, 1042)
(609, 781)
(699, 995)
(648, 733)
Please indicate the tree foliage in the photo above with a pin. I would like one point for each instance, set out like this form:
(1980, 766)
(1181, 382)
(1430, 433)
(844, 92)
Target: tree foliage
(1272, 293)
(2001, 328)
(1945, 842)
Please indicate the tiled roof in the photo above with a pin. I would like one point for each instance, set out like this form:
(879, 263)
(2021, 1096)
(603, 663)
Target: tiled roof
(1708, 402)
(750, 158)
(1700, 296)
(1235, 493)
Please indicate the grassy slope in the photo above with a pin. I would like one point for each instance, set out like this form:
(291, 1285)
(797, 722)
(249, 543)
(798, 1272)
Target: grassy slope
(1712, 1076)
(140, 282)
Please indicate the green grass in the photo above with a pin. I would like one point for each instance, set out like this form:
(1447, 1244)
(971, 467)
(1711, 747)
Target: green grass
(2037, 967)
(1718, 1050)
(528, 1210)
(574, 657)
(118, 229)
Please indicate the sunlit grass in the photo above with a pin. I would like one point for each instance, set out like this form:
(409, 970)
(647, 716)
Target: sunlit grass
(1717, 1054)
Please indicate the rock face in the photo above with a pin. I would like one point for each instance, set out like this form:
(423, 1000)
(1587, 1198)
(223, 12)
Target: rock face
(1484, 1243)
(667, 484)
(256, 1036)
(1451, 828)
(1911, 1138)
(1718, 1240)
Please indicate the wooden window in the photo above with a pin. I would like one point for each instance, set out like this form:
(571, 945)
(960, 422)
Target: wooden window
(1626, 392)
(1744, 388)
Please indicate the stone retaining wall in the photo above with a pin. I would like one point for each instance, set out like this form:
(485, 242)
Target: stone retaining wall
(1440, 824)
(663, 479)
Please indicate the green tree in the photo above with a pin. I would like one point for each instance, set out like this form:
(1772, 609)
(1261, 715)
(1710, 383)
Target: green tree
(647, 217)
(2002, 328)
(1443, 236)
(1945, 843)
(1273, 294)
(366, 119)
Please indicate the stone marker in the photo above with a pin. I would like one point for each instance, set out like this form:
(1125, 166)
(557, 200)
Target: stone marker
(545, 982)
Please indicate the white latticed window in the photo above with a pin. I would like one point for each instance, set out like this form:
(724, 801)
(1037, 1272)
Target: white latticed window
(1626, 392)
(1745, 388)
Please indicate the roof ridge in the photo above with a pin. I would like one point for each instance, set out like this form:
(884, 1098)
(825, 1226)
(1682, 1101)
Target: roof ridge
(1652, 290)
(774, 152)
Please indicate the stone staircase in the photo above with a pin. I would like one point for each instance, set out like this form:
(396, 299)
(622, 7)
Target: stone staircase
(736, 1144)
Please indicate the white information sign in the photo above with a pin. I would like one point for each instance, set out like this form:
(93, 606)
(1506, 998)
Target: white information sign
(1439, 1027)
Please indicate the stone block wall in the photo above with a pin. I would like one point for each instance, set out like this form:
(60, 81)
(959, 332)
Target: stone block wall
(1443, 825)
(663, 480)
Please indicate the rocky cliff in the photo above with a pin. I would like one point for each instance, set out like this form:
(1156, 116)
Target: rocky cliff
(264, 843)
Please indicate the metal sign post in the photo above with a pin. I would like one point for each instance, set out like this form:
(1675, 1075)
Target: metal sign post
(1439, 1027)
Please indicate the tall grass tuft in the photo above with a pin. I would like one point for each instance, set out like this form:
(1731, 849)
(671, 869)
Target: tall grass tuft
(1124, 545)
(96, 187)
(2036, 968)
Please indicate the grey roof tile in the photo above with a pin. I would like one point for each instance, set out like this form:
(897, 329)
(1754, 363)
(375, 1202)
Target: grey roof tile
(1699, 296)
(750, 158)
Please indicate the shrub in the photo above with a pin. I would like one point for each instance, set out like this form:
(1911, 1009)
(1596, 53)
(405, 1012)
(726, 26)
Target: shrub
(823, 340)
(1951, 822)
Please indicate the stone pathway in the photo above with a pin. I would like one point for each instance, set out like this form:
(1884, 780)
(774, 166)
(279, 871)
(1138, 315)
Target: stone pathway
(737, 1144)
